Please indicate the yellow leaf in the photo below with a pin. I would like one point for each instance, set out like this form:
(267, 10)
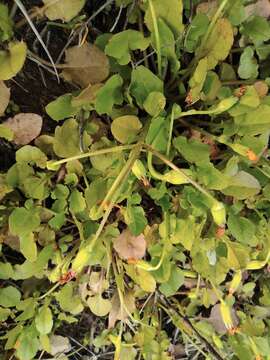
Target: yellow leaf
(12, 60)
(65, 10)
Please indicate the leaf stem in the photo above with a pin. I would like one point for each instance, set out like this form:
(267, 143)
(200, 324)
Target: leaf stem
(54, 287)
(157, 38)
(170, 133)
(174, 167)
(94, 153)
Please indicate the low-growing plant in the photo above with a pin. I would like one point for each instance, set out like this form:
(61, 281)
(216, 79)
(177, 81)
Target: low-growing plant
(149, 204)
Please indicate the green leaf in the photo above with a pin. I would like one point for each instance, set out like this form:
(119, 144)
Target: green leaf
(120, 45)
(23, 221)
(106, 161)
(28, 246)
(242, 186)
(61, 108)
(64, 10)
(36, 187)
(57, 221)
(6, 271)
(32, 155)
(195, 31)
(35, 269)
(9, 296)
(68, 301)
(96, 192)
(167, 45)
(44, 320)
(170, 12)
(253, 121)
(241, 228)
(125, 128)
(4, 314)
(6, 133)
(98, 305)
(211, 86)
(12, 60)
(135, 219)
(211, 177)
(6, 24)
(248, 67)
(192, 150)
(257, 29)
(171, 286)
(28, 344)
(143, 82)
(185, 232)
(109, 94)
(67, 139)
(77, 202)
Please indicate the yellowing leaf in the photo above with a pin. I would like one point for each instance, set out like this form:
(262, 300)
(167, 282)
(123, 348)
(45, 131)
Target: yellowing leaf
(28, 247)
(142, 277)
(130, 247)
(85, 65)
(25, 127)
(98, 305)
(125, 128)
(66, 141)
(219, 43)
(197, 80)
(4, 97)
(64, 10)
(87, 96)
(12, 60)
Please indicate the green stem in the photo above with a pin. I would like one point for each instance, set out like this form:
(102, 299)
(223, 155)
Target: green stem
(170, 133)
(54, 287)
(157, 38)
(94, 153)
(174, 167)
(119, 180)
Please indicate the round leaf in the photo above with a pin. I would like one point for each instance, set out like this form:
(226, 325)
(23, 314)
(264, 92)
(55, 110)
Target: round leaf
(125, 128)
(9, 296)
(44, 320)
(12, 60)
(99, 306)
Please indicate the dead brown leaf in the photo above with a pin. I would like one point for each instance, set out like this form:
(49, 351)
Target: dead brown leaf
(25, 126)
(4, 97)
(129, 246)
(260, 8)
(116, 312)
(85, 65)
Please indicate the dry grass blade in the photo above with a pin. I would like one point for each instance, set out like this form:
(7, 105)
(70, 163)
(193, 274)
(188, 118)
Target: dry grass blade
(24, 11)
